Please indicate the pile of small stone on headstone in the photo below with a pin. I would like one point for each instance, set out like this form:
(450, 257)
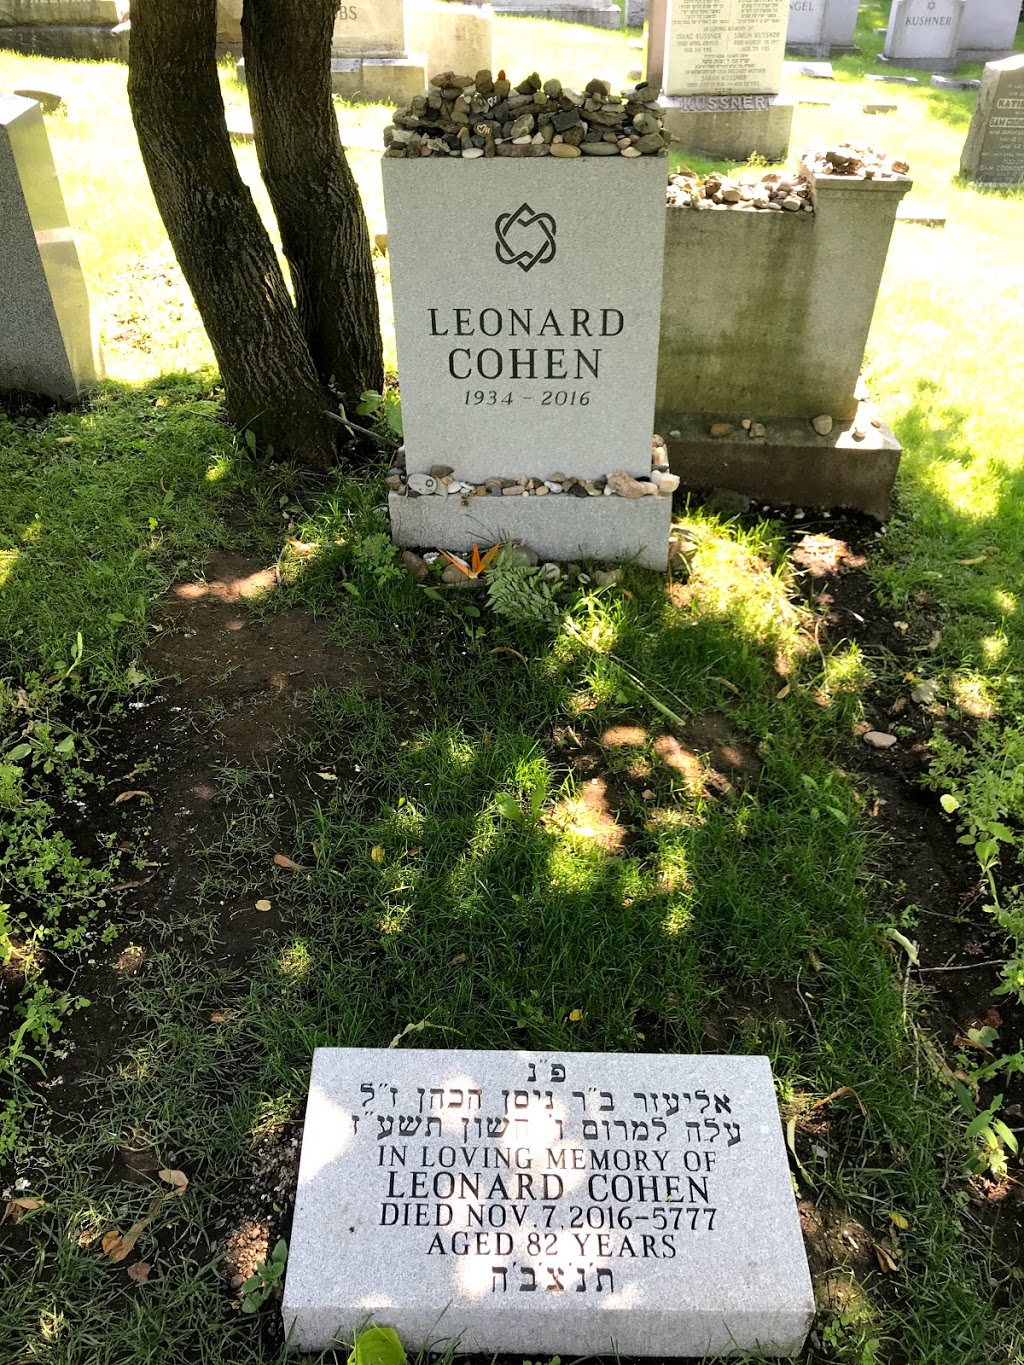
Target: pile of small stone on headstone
(775, 191)
(846, 159)
(488, 116)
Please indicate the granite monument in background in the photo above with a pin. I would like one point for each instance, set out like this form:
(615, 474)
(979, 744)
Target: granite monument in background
(370, 56)
(46, 342)
(821, 28)
(994, 151)
(721, 74)
(924, 34)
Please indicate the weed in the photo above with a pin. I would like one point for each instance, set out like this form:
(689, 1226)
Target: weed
(264, 1280)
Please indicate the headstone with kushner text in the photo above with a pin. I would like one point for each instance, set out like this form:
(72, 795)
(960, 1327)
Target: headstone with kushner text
(994, 151)
(924, 33)
(582, 1204)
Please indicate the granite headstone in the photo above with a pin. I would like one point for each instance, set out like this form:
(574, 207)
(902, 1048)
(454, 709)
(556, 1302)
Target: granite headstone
(46, 344)
(989, 29)
(994, 151)
(731, 47)
(518, 1202)
(923, 32)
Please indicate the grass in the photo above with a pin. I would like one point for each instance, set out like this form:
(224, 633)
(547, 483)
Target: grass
(669, 921)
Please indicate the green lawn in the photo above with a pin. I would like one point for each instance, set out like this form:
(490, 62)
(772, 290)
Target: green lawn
(653, 912)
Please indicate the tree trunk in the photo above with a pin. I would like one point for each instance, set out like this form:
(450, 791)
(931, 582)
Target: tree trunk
(311, 186)
(270, 381)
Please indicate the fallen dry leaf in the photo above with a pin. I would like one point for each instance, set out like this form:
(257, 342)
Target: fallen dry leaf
(222, 1016)
(978, 559)
(118, 1247)
(504, 649)
(575, 1016)
(281, 861)
(377, 853)
(128, 796)
(899, 1220)
(838, 1094)
(783, 692)
(727, 684)
(177, 1180)
(816, 961)
(139, 1272)
(885, 1260)
(263, 904)
(17, 1208)
(460, 959)
(130, 886)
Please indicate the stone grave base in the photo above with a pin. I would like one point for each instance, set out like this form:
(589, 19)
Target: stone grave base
(82, 42)
(595, 15)
(559, 527)
(791, 465)
(379, 80)
(822, 51)
(922, 63)
(985, 54)
(731, 133)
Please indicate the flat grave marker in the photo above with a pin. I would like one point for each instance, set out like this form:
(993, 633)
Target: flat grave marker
(516, 1201)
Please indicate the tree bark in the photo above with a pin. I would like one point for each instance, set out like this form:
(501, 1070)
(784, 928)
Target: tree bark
(311, 186)
(270, 382)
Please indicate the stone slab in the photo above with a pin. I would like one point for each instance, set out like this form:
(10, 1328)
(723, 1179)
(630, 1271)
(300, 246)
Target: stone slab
(955, 83)
(14, 13)
(923, 31)
(593, 15)
(894, 80)
(527, 337)
(451, 36)
(792, 465)
(49, 101)
(918, 217)
(46, 344)
(716, 47)
(818, 71)
(370, 28)
(79, 42)
(379, 80)
(559, 527)
(994, 151)
(581, 1204)
(730, 127)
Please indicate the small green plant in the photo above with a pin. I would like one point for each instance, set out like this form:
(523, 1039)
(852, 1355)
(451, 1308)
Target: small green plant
(375, 557)
(984, 790)
(378, 1346)
(529, 818)
(387, 405)
(519, 592)
(991, 1137)
(264, 1280)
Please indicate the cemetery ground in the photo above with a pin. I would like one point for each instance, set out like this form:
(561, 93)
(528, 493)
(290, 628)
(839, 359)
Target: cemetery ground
(261, 792)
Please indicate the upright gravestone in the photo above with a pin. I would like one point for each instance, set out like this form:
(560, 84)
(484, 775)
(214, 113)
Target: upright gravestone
(994, 151)
(821, 28)
(722, 75)
(453, 37)
(585, 1204)
(370, 60)
(988, 30)
(46, 344)
(527, 339)
(924, 33)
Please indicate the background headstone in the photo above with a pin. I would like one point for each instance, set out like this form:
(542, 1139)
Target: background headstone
(16, 12)
(989, 29)
(589, 1204)
(595, 13)
(375, 29)
(924, 33)
(46, 344)
(717, 47)
(806, 30)
(994, 151)
(452, 37)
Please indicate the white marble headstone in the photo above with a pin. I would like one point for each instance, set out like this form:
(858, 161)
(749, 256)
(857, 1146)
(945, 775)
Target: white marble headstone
(718, 47)
(370, 28)
(922, 30)
(576, 1204)
(527, 298)
(807, 22)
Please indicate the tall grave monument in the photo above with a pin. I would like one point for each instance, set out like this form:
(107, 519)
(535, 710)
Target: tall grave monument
(994, 151)
(721, 74)
(988, 30)
(821, 28)
(46, 343)
(582, 1204)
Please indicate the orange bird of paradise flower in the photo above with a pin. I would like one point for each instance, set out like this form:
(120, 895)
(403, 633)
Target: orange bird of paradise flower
(478, 564)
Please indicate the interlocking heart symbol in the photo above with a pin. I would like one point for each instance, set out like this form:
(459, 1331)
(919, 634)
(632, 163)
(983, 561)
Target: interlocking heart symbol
(539, 228)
